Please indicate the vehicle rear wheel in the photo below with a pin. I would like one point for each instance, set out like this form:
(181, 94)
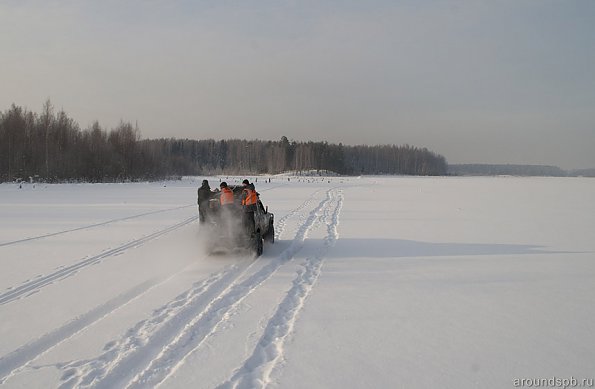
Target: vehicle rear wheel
(270, 235)
(258, 244)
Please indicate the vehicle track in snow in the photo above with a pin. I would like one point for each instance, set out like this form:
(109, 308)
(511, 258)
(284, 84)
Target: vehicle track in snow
(15, 361)
(146, 337)
(34, 285)
(175, 354)
(147, 355)
(111, 221)
(94, 225)
(268, 353)
(281, 224)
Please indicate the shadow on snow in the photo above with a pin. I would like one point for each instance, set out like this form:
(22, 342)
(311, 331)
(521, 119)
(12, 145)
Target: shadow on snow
(397, 248)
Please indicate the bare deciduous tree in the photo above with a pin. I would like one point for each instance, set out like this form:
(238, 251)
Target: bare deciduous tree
(53, 147)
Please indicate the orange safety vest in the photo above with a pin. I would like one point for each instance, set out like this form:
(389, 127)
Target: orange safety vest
(250, 197)
(226, 196)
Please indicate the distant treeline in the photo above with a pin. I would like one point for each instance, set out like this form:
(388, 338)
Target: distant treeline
(52, 147)
(516, 170)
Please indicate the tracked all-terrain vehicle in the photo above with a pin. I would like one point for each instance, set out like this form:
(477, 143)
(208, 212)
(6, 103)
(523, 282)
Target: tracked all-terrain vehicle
(230, 228)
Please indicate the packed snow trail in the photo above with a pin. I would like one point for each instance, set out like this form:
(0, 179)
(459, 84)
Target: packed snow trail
(149, 336)
(35, 285)
(112, 221)
(95, 225)
(257, 369)
(156, 347)
(16, 360)
(208, 322)
(280, 224)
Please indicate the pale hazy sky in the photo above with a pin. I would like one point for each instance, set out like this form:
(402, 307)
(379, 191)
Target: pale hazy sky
(498, 81)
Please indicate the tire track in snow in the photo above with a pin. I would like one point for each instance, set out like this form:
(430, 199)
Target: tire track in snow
(35, 285)
(111, 221)
(146, 337)
(145, 360)
(256, 370)
(149, 337)
(218, 312)
(15, 361)
(93, 225)
(281, 224)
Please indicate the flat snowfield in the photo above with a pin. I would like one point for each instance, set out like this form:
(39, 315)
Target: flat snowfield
(372, 282)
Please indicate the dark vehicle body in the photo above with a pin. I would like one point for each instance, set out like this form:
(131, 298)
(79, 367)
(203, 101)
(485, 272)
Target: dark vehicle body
(228, 228)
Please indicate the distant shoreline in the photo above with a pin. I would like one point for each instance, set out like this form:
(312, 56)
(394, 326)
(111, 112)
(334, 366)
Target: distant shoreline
(516, 170)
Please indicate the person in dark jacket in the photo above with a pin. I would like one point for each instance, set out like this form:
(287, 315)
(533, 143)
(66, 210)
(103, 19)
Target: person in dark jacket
(204, 195)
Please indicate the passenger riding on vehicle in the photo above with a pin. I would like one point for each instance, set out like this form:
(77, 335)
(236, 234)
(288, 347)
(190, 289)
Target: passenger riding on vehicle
(226, 197)
(249, 201)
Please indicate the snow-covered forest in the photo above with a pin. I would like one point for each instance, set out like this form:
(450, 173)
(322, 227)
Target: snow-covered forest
(52, 147)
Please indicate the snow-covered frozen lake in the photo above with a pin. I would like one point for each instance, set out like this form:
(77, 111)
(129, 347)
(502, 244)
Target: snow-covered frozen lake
(373, 282)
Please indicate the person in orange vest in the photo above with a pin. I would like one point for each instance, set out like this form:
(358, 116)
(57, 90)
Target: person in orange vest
(226, 197)
(249, 201)
(249, 196)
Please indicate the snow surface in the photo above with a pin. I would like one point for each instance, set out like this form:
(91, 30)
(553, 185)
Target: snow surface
(373, 282)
